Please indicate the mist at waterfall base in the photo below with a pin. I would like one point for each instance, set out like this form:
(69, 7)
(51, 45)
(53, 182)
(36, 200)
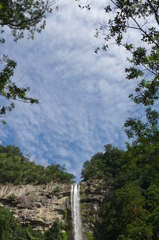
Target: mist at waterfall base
(75, 210)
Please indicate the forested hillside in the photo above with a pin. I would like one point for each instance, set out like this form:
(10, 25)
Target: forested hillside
(133, 212)
(17, 169)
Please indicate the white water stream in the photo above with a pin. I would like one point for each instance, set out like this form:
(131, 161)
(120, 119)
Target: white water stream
(75, 210)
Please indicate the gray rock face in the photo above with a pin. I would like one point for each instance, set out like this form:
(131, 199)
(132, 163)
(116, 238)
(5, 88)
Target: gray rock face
(93, 194)
(38, 205)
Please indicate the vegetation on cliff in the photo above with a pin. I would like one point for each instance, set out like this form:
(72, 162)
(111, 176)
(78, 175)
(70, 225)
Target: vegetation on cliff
(11, 229)
(132, 213)
(17, 169)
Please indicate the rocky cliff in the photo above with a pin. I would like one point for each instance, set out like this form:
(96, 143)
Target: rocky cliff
(40, 205)
(93, 195)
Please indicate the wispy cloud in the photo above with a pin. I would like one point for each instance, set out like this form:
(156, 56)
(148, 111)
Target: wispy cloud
(83, 98)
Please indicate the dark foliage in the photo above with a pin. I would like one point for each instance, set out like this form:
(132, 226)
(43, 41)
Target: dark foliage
(54, 233)
(17, 169)
(132, 213)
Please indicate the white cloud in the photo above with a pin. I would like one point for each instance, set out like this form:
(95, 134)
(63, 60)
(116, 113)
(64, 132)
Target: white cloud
(83, 99)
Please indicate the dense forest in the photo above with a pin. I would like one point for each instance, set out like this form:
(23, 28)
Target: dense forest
(17, 169)
(133, 212)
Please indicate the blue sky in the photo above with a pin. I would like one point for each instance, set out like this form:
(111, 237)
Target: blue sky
(83, 98)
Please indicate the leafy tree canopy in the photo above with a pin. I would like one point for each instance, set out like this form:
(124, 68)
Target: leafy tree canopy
(21, 15)
(132, 212)
(17, 169)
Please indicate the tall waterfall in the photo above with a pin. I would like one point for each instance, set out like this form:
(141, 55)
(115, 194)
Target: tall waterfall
(75, 210)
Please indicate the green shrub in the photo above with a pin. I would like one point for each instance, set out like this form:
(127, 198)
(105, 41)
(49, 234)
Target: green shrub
(57, 189)
(89, 236)
(12, 197)
(55, 232)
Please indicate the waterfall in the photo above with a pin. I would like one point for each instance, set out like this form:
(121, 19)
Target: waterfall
(75, 210)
